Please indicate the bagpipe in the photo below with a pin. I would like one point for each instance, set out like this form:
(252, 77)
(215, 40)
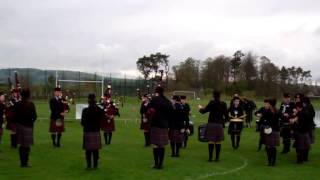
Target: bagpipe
(110, 108)
(12, 100)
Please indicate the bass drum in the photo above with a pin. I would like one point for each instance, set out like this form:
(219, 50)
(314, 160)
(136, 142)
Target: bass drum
(202, 133)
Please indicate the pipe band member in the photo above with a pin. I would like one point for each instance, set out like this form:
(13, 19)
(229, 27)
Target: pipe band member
(270, 127)
(2, 111)
(160, 112)
(145, 120)
(187, 113)
(11, 125)
(302, 141)
(236, 116)
(176, 126)
(25, 115)
(218, 115)
(90, 121)
(57, 117)
(286, 109)
(108, 124)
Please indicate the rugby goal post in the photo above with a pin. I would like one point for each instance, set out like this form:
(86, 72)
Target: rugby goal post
(192, 93)
(79, 107)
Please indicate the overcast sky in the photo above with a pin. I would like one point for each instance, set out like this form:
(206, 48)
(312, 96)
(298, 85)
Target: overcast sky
(104, 36)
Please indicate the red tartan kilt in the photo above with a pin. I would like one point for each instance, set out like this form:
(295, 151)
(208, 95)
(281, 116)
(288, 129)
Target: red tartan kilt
(176, 136)
(56, 129)
(91, 141)
(215, 132)
(24, 136)
(302, 141)
(272, 139)
(108, 127)
(11, 126)
(145, 126)
(159, 136)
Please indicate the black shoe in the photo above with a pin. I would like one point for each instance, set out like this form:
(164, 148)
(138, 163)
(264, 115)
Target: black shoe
(210, 160)
(216, 160)
(25, 165)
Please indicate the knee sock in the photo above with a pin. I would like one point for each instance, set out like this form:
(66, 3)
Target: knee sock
(218, 149)
(58, 139)
(210, 148)
(53, 137)
(110, 137)
(88, 158)
(105, 138)
(173, 148)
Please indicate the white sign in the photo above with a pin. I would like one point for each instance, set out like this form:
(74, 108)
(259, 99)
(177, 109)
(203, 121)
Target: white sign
(79, 109)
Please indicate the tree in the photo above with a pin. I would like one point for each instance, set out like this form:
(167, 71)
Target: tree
(187, 74)
(144, 65)
(152, 64)
(248, 70)
(215, 72)
(235, 64)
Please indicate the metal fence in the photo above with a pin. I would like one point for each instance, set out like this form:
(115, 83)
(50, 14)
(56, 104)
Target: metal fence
(42, 82)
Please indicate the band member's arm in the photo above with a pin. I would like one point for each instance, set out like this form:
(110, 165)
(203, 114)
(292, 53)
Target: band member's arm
(83, 117)
(205, 109)
(34, 112)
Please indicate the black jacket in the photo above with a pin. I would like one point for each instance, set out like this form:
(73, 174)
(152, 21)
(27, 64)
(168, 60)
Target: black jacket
(186, 111)
(56, 107)
(163, 110)
(269, 118)
(286, 108)
(24, 113)
(218, 112)
(233, 110)
(91, 118)
(177, 122)
(2, 108)
(304, 121)
(143, 109)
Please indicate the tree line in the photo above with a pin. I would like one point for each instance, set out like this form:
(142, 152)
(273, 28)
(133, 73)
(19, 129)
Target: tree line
(246, 72)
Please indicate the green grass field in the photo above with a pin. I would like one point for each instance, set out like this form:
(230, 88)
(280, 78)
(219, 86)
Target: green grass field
(127, 158)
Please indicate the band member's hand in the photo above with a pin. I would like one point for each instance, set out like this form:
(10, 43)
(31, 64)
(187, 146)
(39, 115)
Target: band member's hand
(109, 121)
(199, 106)
(286, 115)
(188, 131)
(62, 114)
(182, 130)
(259, 115)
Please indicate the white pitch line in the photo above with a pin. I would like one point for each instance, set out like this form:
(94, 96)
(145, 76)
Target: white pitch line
(244, 164)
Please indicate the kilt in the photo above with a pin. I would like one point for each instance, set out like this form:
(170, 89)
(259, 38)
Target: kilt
(91, 141)
(11, 126)
(312, 136)
(56, 129)
(302, 141)
(108, 127)
(215, 132)
(145, 126)
(262, 137)
(24, 135)
(176, 136)
(272, 140)
(159, 136)
(235, 128)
